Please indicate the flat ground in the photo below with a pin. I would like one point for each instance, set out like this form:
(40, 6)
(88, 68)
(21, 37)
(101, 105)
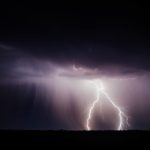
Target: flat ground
(75, 138)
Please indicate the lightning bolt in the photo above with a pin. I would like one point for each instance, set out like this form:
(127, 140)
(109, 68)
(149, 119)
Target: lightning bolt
(123, 119)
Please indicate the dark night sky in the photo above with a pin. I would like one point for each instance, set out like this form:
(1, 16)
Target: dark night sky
(87, 35)
(90, 36)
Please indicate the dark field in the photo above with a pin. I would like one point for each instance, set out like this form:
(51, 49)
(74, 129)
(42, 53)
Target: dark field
(75, 138)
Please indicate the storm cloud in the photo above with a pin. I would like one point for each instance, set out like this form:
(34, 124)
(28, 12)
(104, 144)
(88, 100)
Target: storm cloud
(48, 57)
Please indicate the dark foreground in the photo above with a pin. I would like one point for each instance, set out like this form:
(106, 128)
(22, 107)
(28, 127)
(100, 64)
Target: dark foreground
(75, 138)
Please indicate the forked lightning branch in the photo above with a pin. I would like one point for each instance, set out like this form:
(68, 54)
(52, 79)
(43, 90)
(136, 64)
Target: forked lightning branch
(100, 90)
